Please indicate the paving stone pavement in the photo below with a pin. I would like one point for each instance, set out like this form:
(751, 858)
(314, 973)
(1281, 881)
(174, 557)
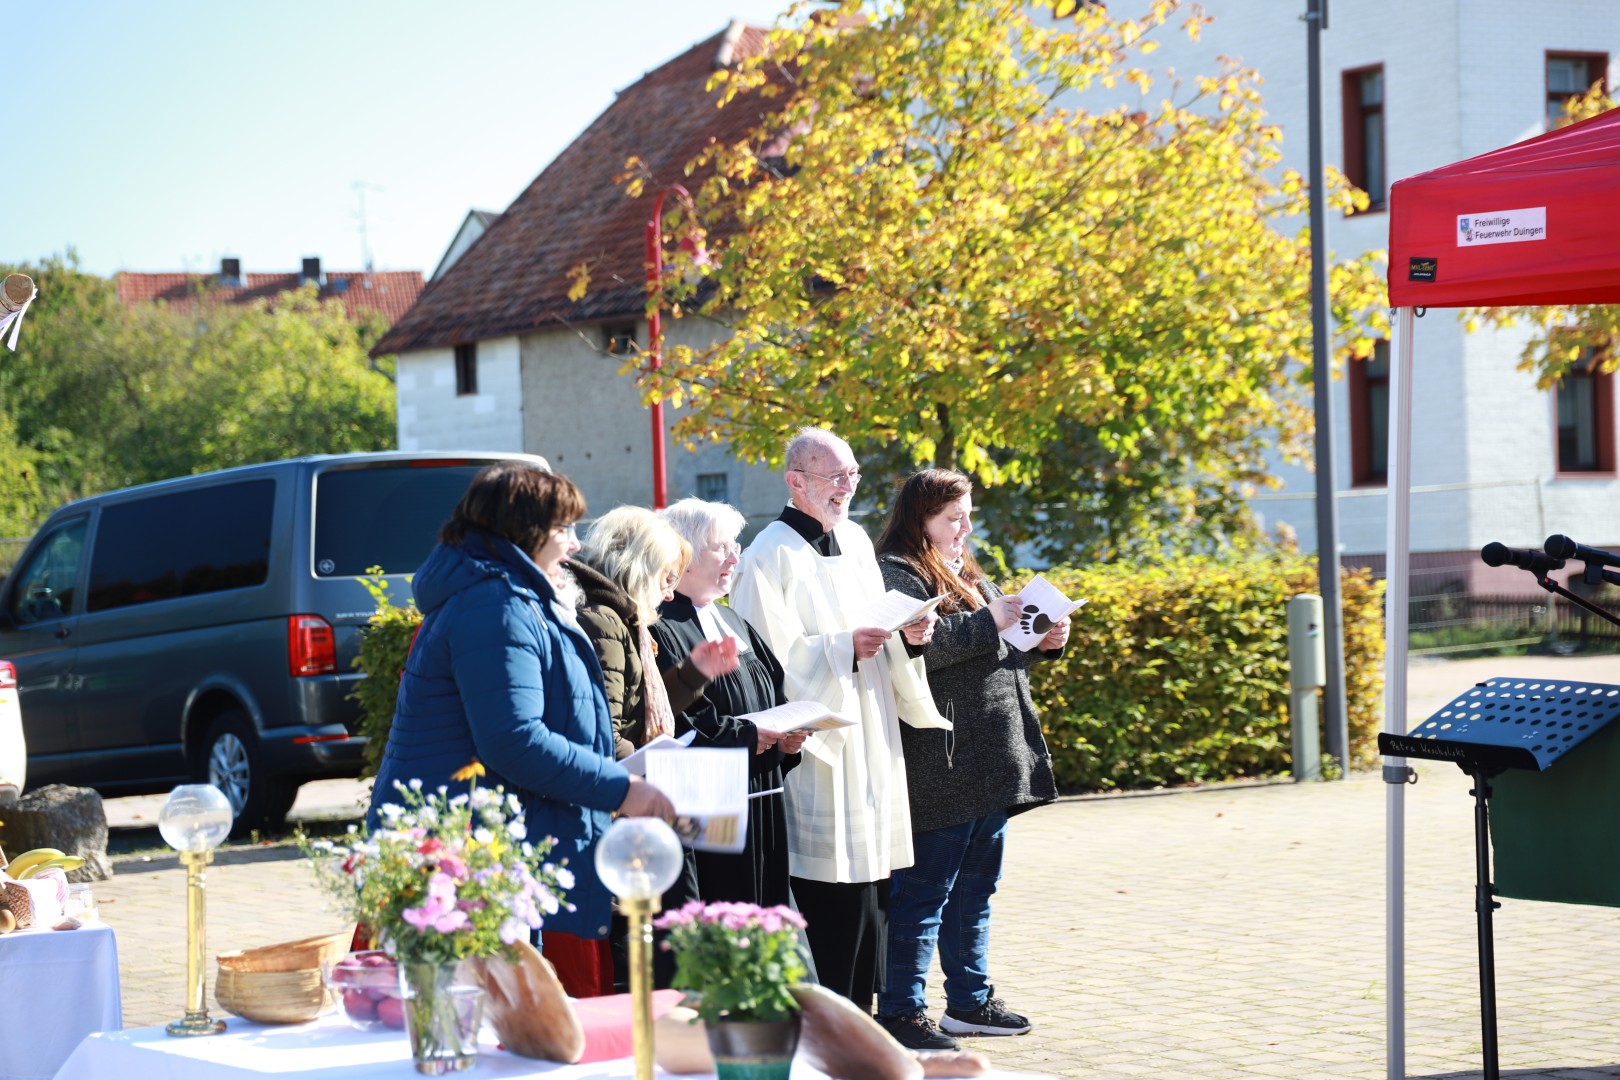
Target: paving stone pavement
(1229, 931)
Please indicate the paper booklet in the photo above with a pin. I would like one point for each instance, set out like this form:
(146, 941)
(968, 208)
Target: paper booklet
(798, 716)
(895, 609)
(636, 763)
(1044, 607)
(709, 787)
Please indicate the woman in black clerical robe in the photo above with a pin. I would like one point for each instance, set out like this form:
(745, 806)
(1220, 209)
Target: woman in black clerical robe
(759, 874)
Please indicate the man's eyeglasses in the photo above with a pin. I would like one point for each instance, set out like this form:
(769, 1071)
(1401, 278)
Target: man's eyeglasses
(844, 479)
(726, 548)
(566, 530)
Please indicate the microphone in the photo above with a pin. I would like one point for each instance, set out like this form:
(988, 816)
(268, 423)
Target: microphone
(1560, 546)
(1539, 564)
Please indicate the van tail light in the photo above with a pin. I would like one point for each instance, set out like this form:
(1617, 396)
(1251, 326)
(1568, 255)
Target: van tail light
(8, 675)
(311, 646)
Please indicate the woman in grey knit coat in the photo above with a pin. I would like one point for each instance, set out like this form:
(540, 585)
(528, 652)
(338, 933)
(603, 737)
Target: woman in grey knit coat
(964, 783)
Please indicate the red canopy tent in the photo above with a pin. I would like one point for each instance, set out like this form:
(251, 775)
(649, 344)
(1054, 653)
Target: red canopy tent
(1573, 174)
(1537, 222)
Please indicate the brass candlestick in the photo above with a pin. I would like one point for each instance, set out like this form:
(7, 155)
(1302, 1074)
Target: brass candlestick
(638, 911)
(196, 1020)
(194, 819)
(637, 859)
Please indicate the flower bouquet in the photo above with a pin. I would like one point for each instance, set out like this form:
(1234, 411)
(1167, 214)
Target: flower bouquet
(440, 880)
(738, 961)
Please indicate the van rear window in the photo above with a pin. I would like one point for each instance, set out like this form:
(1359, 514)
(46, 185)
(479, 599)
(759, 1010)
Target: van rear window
(182, 544)
(388, 517)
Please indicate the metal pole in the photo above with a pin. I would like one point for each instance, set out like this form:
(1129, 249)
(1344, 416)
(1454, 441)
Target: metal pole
(655, 342)
(655, 328)
(1483, 906)
(1396, 772)
(1335, 724)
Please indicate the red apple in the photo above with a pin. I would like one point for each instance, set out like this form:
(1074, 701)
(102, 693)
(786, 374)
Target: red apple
(391, 1011)
(358, 1005)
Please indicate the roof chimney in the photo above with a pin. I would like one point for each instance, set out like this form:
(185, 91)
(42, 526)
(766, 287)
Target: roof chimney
(311, 272)
(230, 271)
(727, 52)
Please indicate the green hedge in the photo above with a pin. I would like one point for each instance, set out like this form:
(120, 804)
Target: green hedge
(1175, 673)
(1178, 673)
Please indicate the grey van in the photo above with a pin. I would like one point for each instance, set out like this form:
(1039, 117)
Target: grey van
(206, 628)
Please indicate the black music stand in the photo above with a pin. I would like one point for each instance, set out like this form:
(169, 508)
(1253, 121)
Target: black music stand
(1503, 724)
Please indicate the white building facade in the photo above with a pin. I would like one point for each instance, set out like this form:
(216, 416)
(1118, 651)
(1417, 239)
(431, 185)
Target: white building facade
(1407, 88)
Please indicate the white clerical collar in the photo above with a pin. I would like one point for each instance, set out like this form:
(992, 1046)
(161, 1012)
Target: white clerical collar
(715, 628)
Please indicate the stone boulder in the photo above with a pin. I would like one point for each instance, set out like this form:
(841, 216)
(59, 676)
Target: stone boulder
(58, 816)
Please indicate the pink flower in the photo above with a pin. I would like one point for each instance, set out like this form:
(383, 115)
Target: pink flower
(439, 911)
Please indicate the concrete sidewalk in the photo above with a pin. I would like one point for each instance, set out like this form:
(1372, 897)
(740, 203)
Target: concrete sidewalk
(1233, 931)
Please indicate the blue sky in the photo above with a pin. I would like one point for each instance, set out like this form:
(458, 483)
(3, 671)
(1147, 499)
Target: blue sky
(164, 135)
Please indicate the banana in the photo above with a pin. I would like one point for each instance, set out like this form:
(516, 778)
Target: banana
(64, 863)
(21, 866)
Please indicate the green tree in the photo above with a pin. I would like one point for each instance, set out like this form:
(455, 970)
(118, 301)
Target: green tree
(934, 245)
(99, 395)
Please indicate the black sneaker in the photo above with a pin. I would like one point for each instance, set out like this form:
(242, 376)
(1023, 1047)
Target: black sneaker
(916, 1031)
(991, 1018)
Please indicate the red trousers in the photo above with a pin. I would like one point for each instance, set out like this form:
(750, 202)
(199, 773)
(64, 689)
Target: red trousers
(584, 965)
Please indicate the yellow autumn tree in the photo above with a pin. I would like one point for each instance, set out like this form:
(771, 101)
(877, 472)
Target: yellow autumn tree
(938, 245)
(1563, 336)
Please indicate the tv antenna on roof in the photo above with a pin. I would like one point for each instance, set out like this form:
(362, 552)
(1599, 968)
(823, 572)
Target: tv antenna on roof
(360, 189)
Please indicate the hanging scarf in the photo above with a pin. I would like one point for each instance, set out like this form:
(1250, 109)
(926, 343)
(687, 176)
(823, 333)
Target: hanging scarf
(660, 717)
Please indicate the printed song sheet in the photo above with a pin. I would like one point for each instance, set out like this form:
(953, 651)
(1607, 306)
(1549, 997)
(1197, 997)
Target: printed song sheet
(895, 609)
(1044, 607)
(709, 787)
(636, 763)
(798, 716)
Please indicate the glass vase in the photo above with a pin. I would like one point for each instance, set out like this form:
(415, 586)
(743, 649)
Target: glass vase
(443, 1011)
(753, 1049)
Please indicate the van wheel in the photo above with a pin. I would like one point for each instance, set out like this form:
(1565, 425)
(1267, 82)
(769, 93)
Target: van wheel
(231, 760)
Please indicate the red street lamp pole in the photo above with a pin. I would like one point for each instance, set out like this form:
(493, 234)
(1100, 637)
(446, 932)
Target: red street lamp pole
(655, 327)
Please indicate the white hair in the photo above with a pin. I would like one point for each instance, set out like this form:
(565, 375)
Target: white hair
(701, 523)
(806, 443)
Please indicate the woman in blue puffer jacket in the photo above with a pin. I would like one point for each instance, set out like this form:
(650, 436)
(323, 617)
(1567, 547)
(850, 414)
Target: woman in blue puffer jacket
(500, 672)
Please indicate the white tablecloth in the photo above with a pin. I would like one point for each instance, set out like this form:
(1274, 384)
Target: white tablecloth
(56, 987)
(326, 1049)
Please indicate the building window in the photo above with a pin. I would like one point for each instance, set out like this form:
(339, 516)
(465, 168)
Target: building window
(1584, 400)
(619, 339)
(1363, 91)
(1569, 75)
(467, 368)
(712, 487)
(1369, 417)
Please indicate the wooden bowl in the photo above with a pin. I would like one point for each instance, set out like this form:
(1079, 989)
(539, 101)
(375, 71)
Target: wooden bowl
(301, 955)
(273, 997)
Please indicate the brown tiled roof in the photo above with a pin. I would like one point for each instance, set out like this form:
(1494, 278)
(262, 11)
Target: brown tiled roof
(514, 277)
(389, 292)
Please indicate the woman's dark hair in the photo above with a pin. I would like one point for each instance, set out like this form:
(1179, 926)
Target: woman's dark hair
(922, 495)
(517, 500)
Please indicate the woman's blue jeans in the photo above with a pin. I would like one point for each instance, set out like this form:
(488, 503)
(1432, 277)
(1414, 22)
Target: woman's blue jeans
(944, 897)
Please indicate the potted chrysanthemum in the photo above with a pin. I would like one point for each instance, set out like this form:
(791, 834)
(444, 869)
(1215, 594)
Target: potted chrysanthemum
(738, 961)
(443, 879)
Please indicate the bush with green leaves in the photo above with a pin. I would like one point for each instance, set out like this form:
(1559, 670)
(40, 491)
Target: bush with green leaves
(1177, 672)
(383, 649)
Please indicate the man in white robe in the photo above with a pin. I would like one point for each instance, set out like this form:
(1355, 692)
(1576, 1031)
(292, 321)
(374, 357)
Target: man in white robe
(807, 583)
